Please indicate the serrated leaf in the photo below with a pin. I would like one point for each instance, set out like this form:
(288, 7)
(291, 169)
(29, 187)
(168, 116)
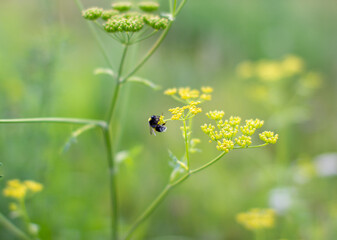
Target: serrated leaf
(106, 71)
(74, 135)
(144, 81)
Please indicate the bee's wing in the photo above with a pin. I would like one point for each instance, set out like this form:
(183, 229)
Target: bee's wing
(152, 131)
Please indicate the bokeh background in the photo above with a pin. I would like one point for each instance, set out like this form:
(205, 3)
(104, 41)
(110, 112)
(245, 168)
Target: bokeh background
(48, 56)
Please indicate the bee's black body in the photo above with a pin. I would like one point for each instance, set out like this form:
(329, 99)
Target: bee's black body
(153, 123)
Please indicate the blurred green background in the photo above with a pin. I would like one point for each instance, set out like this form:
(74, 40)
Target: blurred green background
(47, 59)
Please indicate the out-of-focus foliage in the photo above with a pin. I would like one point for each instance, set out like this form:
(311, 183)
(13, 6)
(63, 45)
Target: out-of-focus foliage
(48, 57)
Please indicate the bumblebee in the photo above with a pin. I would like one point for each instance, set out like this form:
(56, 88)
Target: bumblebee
(156, 123)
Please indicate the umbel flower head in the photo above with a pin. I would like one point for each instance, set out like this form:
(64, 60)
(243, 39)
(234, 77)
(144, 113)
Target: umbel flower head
(18, 190)
(122, 6)
(148, 6)
(92, 13)
(225, 132)
(186, 94)
(256, 219)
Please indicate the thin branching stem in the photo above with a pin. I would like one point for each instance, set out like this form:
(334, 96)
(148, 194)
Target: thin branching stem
(112, 184)
(12, 228)
(186, 145)
(79, 121)
(164, 193)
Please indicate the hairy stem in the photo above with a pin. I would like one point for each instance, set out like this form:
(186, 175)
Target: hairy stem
(14, 229)
(113, 185)
(164, 193)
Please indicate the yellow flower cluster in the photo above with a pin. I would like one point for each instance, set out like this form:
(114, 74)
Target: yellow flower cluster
(17, 189)
(257, 219)
(243, 141)
(187, 94)
(251, 126)
(178, 113)
(269, 137)
(225, 145)
(225, 134)
(270, 71)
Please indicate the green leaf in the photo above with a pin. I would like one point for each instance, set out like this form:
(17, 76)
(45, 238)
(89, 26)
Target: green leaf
(128, 156)
(106, 71)
(144, 81)
(178, 167)
(74, 135)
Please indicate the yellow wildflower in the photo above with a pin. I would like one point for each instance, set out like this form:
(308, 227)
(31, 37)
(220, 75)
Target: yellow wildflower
(243, 141)
(269, 71)
(206, 97)
(35, 186)
(15, 189)
(215, 115)
(268, 137)
(257, 219)
(207, 89)
(292, 65)
(170, 91)
(225, 145)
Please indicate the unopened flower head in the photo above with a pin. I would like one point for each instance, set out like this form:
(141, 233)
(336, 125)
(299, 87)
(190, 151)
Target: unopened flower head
(122, 6)
(120, 23)
(148, 6)
(156, 22)
(170, 91)
(108, 14)
(257, 219)
(269, 137)
(92, 13)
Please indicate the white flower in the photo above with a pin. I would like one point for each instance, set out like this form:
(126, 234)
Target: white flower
(326, 164)
(281, 199)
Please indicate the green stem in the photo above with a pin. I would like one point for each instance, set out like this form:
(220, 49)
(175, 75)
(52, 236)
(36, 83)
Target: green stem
(150, 52)
(118, 86)
(81, 121)
(186, 145)
(182, 4)
(113, 185)
(209, 163)
(163, 194)
(98, 40)
(257, 146)
(14, 229)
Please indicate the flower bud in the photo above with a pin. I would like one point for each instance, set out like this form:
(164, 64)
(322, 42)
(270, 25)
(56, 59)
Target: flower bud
(122, 6)
(92, 13)
(148, 6)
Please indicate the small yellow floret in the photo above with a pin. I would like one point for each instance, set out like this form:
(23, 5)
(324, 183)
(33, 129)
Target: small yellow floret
(15, 189)
(257, 219)
(269, 71)
(170, 91)
(269, 137)
(243, 141)
(206, 97)
(225, 145)
(215, 115)
(33, 186)
(292, 65)
(207, 89)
